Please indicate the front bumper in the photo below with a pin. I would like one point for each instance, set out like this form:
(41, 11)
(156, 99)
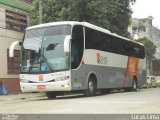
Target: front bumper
(46, 86)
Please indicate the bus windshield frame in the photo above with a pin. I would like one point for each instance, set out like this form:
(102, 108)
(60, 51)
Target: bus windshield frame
(42, 50)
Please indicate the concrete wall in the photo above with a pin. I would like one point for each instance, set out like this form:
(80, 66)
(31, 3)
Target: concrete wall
(2, 19)
(6, 38)
(11, 81)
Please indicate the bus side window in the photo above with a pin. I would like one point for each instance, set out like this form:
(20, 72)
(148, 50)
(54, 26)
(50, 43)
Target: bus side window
(74, 54)
(77, 46)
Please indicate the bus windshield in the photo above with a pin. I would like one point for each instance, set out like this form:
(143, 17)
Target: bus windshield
(43, 49)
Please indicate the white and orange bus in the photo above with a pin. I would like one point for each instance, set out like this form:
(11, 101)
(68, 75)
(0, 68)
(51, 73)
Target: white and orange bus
(73, 56)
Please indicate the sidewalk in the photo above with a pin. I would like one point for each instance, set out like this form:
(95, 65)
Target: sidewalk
(20, 96)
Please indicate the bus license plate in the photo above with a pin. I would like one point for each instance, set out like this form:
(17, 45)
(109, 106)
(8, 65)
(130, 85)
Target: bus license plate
(41, 87)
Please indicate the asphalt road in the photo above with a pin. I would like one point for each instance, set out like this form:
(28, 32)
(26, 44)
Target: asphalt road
(144, 101)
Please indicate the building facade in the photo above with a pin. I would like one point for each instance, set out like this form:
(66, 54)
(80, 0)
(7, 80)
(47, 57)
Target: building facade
(14, 19)
(144, 28)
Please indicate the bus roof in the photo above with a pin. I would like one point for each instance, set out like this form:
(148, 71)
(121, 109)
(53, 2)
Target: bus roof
(86, 24)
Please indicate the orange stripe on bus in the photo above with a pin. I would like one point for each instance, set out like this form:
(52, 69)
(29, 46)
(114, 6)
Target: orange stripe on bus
(131, 69)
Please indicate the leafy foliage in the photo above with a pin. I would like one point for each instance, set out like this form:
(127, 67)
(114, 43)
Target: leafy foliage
(150, 48)
(110, 14)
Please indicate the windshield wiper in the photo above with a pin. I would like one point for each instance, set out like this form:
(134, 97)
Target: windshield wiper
(44, 59)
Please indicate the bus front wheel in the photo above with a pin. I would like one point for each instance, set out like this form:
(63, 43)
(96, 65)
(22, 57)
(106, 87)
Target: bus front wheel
(51, 95)
(91, 87)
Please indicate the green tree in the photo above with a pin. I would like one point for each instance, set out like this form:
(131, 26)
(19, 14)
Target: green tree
(53, 10)
(114, 15)
(150, 50)
(119, 16)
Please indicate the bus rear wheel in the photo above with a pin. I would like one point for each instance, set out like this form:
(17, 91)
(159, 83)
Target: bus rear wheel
(51, 95)
(92, 87)
(134, 85)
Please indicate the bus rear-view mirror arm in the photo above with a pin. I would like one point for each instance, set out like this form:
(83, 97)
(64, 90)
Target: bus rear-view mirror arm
(67, 43)
(12, 46)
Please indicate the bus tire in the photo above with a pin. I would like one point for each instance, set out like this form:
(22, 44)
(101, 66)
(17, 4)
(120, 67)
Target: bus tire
(51, 95)
(134, 84)
(91, 87)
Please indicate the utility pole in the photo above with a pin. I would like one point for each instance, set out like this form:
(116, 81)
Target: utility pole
(40, 12)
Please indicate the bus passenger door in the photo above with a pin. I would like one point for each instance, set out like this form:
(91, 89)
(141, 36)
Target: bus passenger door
(77, 48)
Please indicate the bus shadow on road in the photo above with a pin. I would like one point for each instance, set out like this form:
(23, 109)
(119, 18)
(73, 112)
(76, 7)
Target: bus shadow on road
(59, 97)
(114, 91)
(79, 96)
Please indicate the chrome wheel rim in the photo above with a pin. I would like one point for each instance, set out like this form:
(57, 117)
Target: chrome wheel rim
(134, 85)
(91, 87)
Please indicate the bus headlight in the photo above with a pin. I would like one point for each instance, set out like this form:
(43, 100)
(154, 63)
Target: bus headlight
(24, 81)
(61, 78)
(66, 86)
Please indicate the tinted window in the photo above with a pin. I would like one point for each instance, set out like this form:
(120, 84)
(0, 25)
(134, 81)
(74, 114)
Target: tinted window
(105, 42)
(77, 46)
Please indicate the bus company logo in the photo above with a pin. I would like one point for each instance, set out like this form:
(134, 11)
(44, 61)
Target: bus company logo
(40, 77)
(101, 59)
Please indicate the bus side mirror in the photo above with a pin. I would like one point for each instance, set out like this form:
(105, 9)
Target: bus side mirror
(11, 49)
(67, 43)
